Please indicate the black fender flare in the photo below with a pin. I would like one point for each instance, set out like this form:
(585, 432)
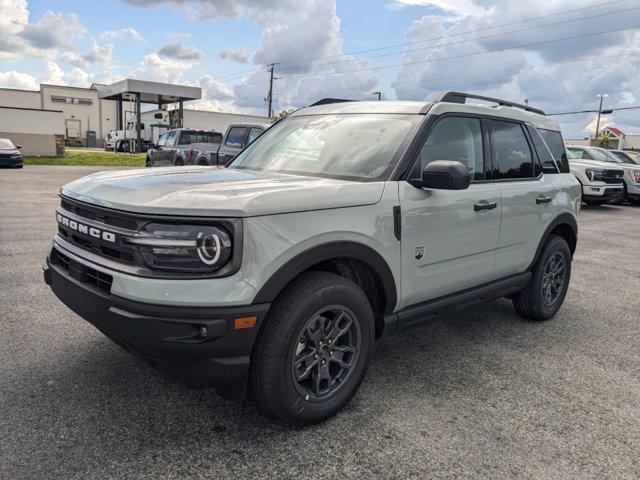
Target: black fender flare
(327, 251)
(562, 219)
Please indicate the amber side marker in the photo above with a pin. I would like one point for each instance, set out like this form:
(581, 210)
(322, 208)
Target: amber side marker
(245, 322)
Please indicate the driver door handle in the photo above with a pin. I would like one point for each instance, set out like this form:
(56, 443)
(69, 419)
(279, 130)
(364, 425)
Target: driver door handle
(484, 205)
(543, 199)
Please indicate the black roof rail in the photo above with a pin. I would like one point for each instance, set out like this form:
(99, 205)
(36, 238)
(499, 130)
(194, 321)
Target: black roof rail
(459, 97)
(327, 101)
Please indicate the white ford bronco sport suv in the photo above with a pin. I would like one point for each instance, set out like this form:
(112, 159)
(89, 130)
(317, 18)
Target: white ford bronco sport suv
(342, 223)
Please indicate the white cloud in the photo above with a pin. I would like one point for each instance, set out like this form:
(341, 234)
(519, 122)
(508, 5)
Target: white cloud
(178, 51)
(158, 69)
(457, 7)
(238, 55)
(97, 55)
(15, 79)
(19, 37)
(555, 76)
(123, 34)
(53, 74)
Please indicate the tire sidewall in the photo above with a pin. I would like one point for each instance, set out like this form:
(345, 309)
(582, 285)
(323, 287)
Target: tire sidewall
(290, 400)
(555, 244)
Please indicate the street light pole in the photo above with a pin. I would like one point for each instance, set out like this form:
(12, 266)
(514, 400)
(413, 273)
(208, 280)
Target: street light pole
(379, 95)
(270, 95)
(602, 95)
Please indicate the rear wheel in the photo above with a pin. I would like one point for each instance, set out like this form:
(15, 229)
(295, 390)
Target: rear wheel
(314, 349)
(543, 297)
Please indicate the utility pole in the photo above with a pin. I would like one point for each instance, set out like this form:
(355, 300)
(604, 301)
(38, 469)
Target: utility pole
(602, 95)
(270, 95)
(379, 95)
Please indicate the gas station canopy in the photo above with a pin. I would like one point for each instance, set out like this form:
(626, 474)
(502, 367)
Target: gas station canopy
(149, 92)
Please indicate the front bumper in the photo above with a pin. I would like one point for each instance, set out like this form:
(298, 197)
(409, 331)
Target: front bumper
(633, 191)
(196, 346)
(591, 192)
(10, 162)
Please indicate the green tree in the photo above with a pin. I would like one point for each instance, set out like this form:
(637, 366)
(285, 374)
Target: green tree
(603, 140)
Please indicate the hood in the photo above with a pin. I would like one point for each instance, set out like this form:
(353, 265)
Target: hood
(583, 162)
(216, 191)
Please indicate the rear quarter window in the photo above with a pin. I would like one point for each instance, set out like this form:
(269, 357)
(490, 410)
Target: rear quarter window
(555, 142)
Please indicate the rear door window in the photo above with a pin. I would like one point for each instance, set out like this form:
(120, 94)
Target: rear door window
(235, 137)
(512, 157)
(555, 142)
(545, 158)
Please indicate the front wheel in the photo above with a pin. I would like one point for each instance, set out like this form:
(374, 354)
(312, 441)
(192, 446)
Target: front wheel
(543, 297)
(314, 349)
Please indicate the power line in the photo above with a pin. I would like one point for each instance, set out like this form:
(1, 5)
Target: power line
(465, 55)
(493, 27)
(471, 39)
(490, 72)
(635, 107)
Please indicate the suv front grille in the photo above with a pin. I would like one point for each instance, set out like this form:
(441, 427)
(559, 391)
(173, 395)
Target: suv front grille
(107, 220)
(81, 272)
(612, 176)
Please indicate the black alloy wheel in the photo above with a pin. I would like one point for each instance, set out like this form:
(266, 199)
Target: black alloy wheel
(326, 353)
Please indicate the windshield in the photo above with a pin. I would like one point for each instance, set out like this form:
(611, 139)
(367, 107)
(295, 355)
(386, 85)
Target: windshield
(627, 157)
(6, 144)
(353, 146)
(606, 155)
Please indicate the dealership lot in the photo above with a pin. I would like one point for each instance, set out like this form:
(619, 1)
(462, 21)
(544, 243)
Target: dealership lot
(478, 394)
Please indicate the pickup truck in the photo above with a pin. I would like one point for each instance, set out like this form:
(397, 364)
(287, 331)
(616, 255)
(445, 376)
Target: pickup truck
(185, 146)
(200, 147)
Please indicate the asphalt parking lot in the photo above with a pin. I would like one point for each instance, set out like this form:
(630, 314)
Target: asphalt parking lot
(480, 394)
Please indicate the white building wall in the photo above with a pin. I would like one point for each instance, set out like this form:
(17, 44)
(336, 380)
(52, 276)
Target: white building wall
(10, 97)
(631, 142)
(35, 130)
(81, 106)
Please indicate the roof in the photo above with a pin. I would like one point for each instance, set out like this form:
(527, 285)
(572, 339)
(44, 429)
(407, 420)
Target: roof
(150, 92)
(362, 107)
(615, 131)
(432, 108)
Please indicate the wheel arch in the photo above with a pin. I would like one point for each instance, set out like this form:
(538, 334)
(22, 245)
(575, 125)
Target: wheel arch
(343, 257)
(564, 225)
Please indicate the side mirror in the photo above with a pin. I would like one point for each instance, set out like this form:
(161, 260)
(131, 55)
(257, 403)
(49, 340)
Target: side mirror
(444, 175)
(19, 147)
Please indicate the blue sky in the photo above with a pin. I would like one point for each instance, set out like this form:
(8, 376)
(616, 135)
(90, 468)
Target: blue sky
(559, 55)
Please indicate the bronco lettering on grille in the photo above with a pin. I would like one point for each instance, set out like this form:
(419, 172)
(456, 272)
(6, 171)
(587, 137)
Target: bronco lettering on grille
(86, 229)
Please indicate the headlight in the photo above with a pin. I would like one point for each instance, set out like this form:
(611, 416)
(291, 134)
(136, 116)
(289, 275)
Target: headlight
(635, 175)
(183, 248)
(595, 175)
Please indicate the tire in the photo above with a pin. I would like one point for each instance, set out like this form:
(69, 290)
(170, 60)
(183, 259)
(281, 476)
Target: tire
(19, 166)
(203, 162)
(148, 163)
(594, 203)
(530, 303)
(285, 338)
(633, 201)
(178, 162)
